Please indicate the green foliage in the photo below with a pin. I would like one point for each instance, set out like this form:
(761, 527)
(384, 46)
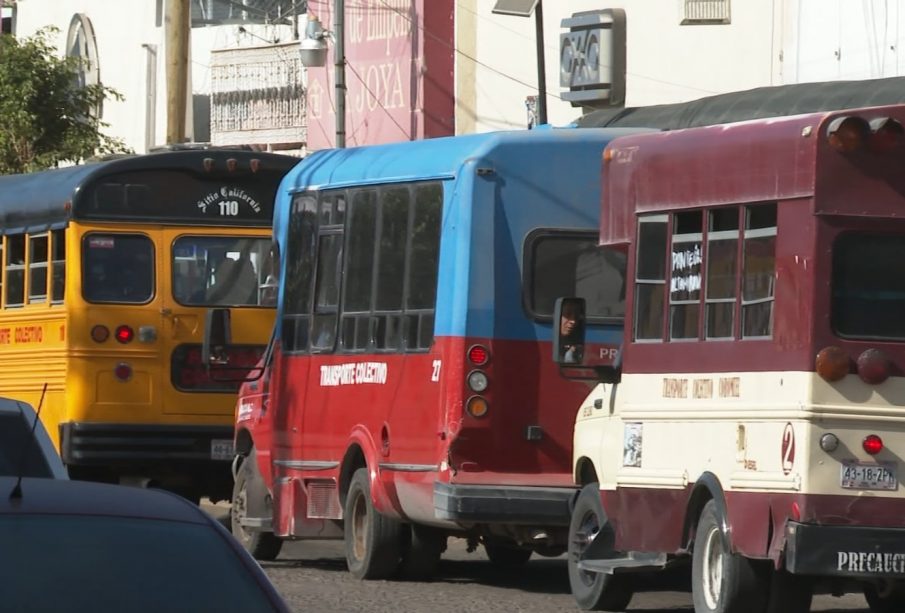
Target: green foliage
(46, 115)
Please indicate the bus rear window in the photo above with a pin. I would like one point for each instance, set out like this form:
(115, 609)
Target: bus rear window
(222, 271)
(869, 286)
(572, 264)
(118, 268)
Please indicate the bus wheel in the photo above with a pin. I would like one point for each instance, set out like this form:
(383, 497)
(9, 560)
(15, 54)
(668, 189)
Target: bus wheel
(593, 591)
(506, 553)
(421, 551)
(373, 541)
(261, 545)
(721, 581)
(888, 600)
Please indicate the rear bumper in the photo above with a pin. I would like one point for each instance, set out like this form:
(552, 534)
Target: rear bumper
(498, 504)
(845, 551)
(94, 444)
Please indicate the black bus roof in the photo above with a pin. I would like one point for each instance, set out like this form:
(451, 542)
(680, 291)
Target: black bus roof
(113, 190)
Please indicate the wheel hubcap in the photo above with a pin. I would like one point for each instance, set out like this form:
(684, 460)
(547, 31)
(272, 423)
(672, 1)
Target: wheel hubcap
(359, 527)
(584, 536)
(713, 568)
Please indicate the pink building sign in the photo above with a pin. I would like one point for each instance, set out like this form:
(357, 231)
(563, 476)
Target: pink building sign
(399, 73)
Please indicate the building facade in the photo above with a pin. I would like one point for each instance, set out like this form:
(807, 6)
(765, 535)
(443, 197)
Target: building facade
(424, 68)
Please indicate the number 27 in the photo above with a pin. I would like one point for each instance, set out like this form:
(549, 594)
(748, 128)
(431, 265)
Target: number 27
(435, 375)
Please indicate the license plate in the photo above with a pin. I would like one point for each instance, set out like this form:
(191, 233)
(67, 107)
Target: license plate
(222, 449)
(869, 476)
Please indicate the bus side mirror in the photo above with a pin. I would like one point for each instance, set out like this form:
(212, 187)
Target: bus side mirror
(216, 337)
(568, 331)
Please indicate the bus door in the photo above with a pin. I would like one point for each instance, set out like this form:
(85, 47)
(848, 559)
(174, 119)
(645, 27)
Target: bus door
(204, 269)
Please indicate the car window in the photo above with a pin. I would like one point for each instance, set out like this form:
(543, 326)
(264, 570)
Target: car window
(20, 452)
(88, 564)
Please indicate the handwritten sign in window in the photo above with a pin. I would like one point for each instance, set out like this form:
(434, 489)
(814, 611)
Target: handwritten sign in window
(685, 281)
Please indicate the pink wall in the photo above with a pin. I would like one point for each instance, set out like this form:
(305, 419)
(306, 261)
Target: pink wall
(399, 73)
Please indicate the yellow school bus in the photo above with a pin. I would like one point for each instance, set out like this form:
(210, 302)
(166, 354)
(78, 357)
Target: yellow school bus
(108, 271)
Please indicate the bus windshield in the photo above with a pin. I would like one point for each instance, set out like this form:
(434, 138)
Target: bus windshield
(222, 271)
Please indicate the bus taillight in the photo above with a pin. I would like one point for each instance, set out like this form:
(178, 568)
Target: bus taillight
(124, 334)
(477, 406)
(478, 355)
(873, 366)
(477, 381)
(872, 444)
(100, 333)
(832, 363)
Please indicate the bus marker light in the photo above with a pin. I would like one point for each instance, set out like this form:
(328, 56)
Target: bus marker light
(100, 333)
(832, 363)
(887, 136)
(477, 406)
(208, 164)
(872, 444)
(147, 334)
(231, 164)
(477, 381)
(848, 134)
(873, 366)
(796, 511)
(829, 442)
(124, 334)
(254, 164)
(478, 355)
(123, 371)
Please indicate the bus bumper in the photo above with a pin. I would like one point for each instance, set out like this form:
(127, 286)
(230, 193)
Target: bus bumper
(484, 504)
(845, 551)
(94, 444)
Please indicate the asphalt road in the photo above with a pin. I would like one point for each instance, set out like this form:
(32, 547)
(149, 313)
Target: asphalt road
(312, 577)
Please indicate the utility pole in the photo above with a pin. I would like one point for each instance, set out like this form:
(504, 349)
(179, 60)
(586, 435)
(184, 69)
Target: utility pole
(339, 65)
(541, 64)
(177, 25)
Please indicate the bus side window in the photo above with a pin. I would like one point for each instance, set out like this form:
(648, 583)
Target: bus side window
(423, 262)
(58, 265)
(758, 266)
(15, 270)
(650, 278)
(37, 267)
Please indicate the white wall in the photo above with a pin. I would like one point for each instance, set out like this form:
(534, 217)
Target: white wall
(121, 28)
(666, 62)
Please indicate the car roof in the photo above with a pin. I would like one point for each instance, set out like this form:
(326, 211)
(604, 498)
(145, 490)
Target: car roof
(64, 497)
(31, 423)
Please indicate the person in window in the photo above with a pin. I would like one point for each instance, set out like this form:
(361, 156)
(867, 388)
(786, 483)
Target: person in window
(570, 327)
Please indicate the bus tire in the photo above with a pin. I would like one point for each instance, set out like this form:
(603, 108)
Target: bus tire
(593, 591)
(421, 551)
(372, 541)
(261, 545)
(890, 600)
(723, 582)
(506, 553)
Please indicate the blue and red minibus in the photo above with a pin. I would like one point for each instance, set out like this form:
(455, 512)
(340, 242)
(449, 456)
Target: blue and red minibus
(408, 394)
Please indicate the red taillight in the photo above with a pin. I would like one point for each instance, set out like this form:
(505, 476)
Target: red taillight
(100, 333)
(478, 355)
(124, 334)
(231, 164)
(873, 366)
(872, 444)
(832, 363)
(123, 371)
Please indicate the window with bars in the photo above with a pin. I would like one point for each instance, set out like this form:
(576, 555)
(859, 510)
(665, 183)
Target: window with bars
(705, 12)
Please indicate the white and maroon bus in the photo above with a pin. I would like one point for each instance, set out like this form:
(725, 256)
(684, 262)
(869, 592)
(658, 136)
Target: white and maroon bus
(752, 426)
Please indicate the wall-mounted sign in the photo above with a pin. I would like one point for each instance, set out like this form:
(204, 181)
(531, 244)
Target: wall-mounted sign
(592, 58)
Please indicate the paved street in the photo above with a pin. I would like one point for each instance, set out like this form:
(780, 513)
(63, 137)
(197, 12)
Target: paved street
(312, 577)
